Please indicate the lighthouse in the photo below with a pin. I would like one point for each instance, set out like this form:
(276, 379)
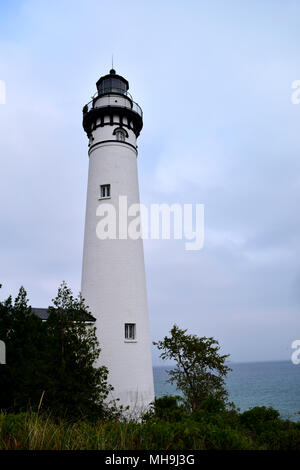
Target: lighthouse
(113, 273)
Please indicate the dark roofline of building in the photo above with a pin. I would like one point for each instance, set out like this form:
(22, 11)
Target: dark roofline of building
(43, 314)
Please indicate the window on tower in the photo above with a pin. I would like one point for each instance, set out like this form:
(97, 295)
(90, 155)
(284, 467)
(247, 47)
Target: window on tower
(130, 331)
(104, 191)
(120, 135)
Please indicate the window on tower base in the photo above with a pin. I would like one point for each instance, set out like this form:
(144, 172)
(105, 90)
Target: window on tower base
(104, 191)
(130, 331)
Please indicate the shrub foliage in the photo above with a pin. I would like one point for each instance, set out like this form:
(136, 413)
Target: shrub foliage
(51, 363)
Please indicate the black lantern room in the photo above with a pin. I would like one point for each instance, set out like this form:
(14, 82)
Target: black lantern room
(112, 83)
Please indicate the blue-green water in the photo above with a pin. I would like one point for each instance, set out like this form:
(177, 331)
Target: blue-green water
(275, 384)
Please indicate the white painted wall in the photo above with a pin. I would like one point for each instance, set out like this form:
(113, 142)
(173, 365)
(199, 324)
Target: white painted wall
(113, 100)
(101, 134)
(113, 276)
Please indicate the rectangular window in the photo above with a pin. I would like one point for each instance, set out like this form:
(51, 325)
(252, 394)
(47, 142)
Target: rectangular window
(130, 331)
(105, 190)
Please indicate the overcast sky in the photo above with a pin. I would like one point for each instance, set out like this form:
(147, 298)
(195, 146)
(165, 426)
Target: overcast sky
(214, 81)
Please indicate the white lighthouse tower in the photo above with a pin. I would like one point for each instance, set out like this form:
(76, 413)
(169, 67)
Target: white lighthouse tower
(113, 275)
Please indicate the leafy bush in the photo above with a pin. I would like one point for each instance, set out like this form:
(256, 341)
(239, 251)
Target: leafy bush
(259, 415)
(166, 408)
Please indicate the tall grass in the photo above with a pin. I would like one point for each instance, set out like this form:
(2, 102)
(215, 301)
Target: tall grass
(231, 431)
(31, 431)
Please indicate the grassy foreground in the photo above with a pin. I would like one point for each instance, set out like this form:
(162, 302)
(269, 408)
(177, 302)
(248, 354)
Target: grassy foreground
(259, 428)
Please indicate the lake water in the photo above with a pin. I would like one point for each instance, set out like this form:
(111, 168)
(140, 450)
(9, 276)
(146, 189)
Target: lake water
(275, 384)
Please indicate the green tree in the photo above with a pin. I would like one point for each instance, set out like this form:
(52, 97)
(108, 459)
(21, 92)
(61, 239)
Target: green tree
(24, 336)
(77, 387)
(54, 360)
(199, 371)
